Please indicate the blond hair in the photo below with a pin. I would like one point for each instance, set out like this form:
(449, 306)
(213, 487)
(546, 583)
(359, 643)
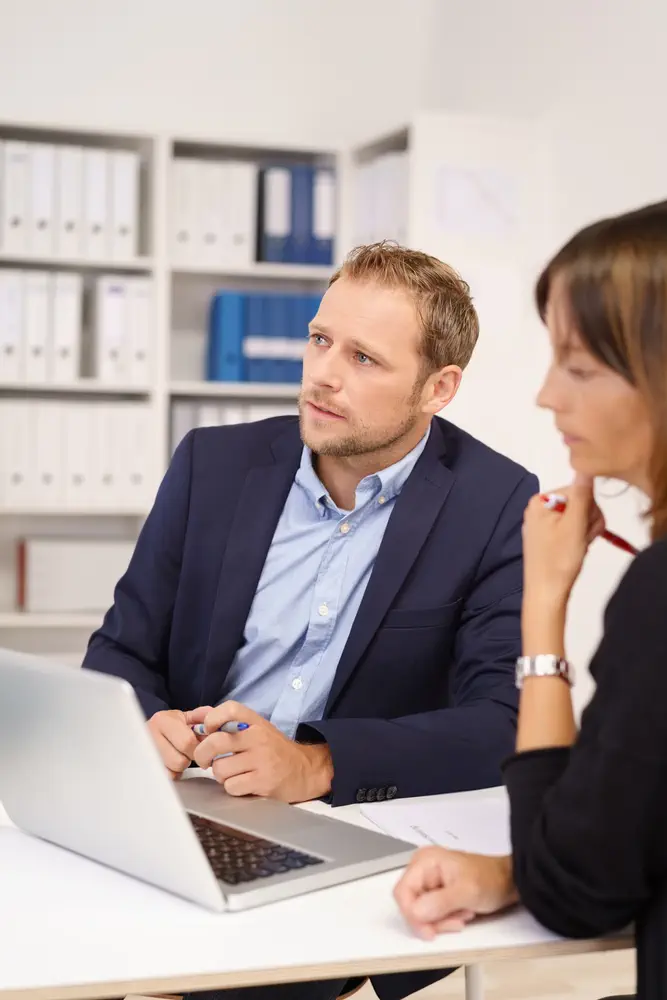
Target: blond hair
(448, 319)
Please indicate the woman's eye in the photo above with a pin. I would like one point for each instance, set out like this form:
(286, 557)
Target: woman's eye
(581, 373)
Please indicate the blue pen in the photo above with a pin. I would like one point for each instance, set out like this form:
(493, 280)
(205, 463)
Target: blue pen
(228, 727)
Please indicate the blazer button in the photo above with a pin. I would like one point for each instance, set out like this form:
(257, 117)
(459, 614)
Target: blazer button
(361, 795)
(371, 794)
(392, 792)
(382, 794)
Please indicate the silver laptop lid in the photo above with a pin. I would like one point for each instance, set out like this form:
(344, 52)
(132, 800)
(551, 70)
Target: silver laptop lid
(78, 768)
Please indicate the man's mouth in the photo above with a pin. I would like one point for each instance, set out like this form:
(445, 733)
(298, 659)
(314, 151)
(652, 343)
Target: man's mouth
(323, 411)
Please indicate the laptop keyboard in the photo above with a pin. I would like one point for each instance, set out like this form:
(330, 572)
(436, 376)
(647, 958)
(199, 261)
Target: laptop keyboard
(238, 857)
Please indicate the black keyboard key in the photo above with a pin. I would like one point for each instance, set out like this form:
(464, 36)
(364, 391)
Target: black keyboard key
(238, 857)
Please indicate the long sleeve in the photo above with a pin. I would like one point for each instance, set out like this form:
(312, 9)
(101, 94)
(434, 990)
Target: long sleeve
(589, 825)
(133, 639)
(462, 746)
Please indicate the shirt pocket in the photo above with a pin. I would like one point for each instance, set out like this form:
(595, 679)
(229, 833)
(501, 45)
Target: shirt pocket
(416, 618)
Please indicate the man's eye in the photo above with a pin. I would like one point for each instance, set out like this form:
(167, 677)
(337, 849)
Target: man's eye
(364, 359)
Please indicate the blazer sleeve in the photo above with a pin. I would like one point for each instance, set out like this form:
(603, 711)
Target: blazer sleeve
(463, 746)
(133, 639)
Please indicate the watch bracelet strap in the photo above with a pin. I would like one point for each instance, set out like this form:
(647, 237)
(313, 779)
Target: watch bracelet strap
(543, 665)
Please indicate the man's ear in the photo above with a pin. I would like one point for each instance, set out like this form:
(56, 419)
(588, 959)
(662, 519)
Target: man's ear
(441, 387)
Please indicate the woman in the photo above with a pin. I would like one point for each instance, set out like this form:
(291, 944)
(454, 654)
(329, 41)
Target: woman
(589, 810)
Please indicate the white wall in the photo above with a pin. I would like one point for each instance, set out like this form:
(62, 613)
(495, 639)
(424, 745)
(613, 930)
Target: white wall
(298, 70)
(594, 71)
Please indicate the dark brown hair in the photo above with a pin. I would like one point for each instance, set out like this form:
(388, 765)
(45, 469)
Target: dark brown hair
(450, 326)
(613, 275)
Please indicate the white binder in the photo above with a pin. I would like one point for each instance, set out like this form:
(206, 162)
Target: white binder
(70, 575)
(12, 343)
(78, 447)
(183, 420)
(14, 197)
(208, 415)
(105, 480)
(64, 358)
(184, 201)
(41, 204)
(124, 176)
(95, 204)
(111, 329)
(136, 457)
(49, 479)
(241, 197)
(259, 411)
(213, 210)
(69, 202)
(17, 454)
(140, 332)
(37, 324)
(233, 413)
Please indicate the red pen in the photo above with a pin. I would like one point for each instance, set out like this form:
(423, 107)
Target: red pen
(557, 502)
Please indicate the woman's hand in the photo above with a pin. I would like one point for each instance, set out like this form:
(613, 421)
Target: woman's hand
(444, 890)
(555, 543)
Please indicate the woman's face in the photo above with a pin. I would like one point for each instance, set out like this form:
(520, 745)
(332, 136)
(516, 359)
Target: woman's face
(602, 418)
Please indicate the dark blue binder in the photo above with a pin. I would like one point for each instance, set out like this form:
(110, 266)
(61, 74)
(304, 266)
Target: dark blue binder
(257, 326)
(300, 248)
(274, 238)
(321, 250)
(225, 361)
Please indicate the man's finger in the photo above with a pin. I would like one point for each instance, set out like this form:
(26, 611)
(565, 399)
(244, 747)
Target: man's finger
(172, 758)
(229, 767)
(218, 744)
(231, 711)
(242, 784)
(197, 714)
(179, 734)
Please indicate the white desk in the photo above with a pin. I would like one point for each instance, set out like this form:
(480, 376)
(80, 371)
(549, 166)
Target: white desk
(70, 928)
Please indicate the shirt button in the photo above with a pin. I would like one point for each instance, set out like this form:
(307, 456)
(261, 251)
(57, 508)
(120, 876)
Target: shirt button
(344, 528)
(382, 499)
(297, 683)
(323, 610)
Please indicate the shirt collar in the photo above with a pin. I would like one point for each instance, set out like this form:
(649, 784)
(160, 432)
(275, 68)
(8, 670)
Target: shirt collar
(389, 481)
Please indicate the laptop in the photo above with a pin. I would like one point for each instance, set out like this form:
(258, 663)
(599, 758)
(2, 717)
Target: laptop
(79, 769)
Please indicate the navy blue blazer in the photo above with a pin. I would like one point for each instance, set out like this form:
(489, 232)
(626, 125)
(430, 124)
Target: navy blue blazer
(423, 700)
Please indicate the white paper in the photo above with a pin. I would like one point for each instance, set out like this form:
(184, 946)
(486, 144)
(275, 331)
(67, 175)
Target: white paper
(475, 203)
(476, 822)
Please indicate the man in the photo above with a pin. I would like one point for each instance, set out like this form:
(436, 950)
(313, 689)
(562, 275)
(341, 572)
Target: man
(348, 583)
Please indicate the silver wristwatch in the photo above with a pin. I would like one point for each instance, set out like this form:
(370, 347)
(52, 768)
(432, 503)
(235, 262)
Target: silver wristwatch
(544, 665)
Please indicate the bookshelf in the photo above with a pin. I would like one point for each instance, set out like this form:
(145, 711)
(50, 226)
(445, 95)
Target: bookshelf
(181, 293)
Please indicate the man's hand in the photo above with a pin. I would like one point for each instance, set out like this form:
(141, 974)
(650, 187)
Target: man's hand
(264, 761)
(443, 890)
(174, 738)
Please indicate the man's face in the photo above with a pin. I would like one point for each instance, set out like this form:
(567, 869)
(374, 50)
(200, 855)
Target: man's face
(362, 371)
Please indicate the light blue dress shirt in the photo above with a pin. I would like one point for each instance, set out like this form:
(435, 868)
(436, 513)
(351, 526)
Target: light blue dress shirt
(316, 571)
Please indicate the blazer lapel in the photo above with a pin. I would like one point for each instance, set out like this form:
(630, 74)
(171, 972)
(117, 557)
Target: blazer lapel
(417, 506)
(260, 504)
